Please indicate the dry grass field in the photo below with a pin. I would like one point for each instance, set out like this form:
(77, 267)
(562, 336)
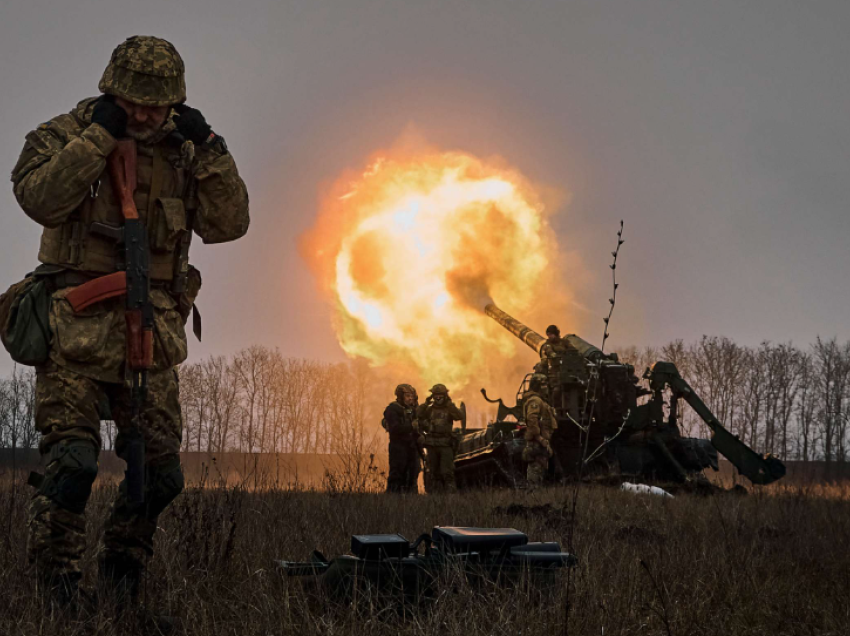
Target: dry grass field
(771, 562)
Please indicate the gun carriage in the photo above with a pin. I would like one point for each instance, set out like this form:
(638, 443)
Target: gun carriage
(607, 422)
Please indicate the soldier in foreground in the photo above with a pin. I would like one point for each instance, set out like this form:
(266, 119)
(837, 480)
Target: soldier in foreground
(436, 419)
(540, 424)
(185, 180)
(400, 423)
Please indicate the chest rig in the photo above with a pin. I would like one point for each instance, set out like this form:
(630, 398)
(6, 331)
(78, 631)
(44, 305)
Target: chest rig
(441, 423)
(90, 240)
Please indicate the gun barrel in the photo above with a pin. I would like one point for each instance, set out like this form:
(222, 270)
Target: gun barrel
(534, 340)
(584, 347)
(521, 331)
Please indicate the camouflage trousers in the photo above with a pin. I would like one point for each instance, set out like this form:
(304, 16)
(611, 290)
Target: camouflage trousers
(537, 458)
(67, 411)
(441, 469)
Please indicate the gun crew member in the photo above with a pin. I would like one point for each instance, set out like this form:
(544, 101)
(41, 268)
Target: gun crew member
(405, 441)
(436, 419)
(540, 423)
(554, 346)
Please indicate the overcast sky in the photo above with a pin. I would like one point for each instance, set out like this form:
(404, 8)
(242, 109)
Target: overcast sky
(719, 131)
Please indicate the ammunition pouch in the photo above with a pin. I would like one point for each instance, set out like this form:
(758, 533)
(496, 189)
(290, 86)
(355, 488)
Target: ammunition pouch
(71, 471)
(83, 336)
(170, 334)
(441, 427)
(167, 225)
(439, 441)
(25, 320)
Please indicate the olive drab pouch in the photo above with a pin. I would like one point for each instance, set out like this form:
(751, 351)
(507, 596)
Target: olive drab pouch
(167, 225)
(25, 321)
(170, 347)
(186, 300)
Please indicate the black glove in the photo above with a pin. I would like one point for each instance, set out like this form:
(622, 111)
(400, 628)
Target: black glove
(110, 115)
(191, 124)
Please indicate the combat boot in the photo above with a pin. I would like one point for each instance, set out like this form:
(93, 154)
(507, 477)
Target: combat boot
(62, 592)
(61, 588)
(121, 578)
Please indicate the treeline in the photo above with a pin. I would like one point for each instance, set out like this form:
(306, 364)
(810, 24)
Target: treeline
(261, 401)
(777, 397)
(255, 401)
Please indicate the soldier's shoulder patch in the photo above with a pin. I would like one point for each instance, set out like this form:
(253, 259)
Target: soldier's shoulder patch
(534, 404)
(44, 126)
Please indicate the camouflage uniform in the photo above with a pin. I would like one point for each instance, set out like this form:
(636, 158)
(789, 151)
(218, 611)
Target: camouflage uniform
(60, 181)
(435, 420)
(400, 423)
(555, 346)
(540, 423)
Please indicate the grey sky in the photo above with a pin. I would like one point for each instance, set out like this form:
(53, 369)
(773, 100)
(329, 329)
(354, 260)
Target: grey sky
(719, 131)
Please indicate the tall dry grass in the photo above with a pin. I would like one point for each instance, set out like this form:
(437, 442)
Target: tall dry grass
(774, 562)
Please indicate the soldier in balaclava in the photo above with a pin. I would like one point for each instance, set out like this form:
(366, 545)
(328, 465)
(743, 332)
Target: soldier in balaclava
(436, 418)
(186, 181)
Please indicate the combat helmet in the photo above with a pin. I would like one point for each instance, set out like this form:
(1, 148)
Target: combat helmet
(439, 388)
(145, 70)
(537, 382)
(553, 329)
(401, 389)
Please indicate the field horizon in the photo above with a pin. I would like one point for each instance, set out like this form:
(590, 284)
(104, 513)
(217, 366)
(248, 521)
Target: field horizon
(773, 561)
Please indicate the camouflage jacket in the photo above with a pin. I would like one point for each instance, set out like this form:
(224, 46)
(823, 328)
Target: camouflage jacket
(436, 422)
(60, 181)
(554, 349)
(539, 418)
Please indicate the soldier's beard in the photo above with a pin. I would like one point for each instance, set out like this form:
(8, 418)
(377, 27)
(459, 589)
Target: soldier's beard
(143, 135)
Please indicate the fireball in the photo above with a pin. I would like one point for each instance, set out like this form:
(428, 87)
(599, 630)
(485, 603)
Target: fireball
(411, 249)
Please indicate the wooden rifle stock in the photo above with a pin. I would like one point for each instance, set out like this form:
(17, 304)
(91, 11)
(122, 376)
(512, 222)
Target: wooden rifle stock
(122, 173)
(138, 313)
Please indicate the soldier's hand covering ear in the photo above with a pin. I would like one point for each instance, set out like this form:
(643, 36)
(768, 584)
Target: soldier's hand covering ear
(191, 124)
(110, 115)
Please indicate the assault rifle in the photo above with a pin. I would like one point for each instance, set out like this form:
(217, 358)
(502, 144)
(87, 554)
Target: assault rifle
(138, 313)
(133, 283)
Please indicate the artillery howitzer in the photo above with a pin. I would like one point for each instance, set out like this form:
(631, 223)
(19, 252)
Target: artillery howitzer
(601, 426)
(388, 565)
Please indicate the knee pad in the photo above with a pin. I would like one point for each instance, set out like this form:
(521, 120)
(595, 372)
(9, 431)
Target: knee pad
(165, 482)
(71, 470)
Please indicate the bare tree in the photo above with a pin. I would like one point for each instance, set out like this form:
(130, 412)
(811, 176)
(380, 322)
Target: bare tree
(784, 372)
(833, 364)
(17, 409)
